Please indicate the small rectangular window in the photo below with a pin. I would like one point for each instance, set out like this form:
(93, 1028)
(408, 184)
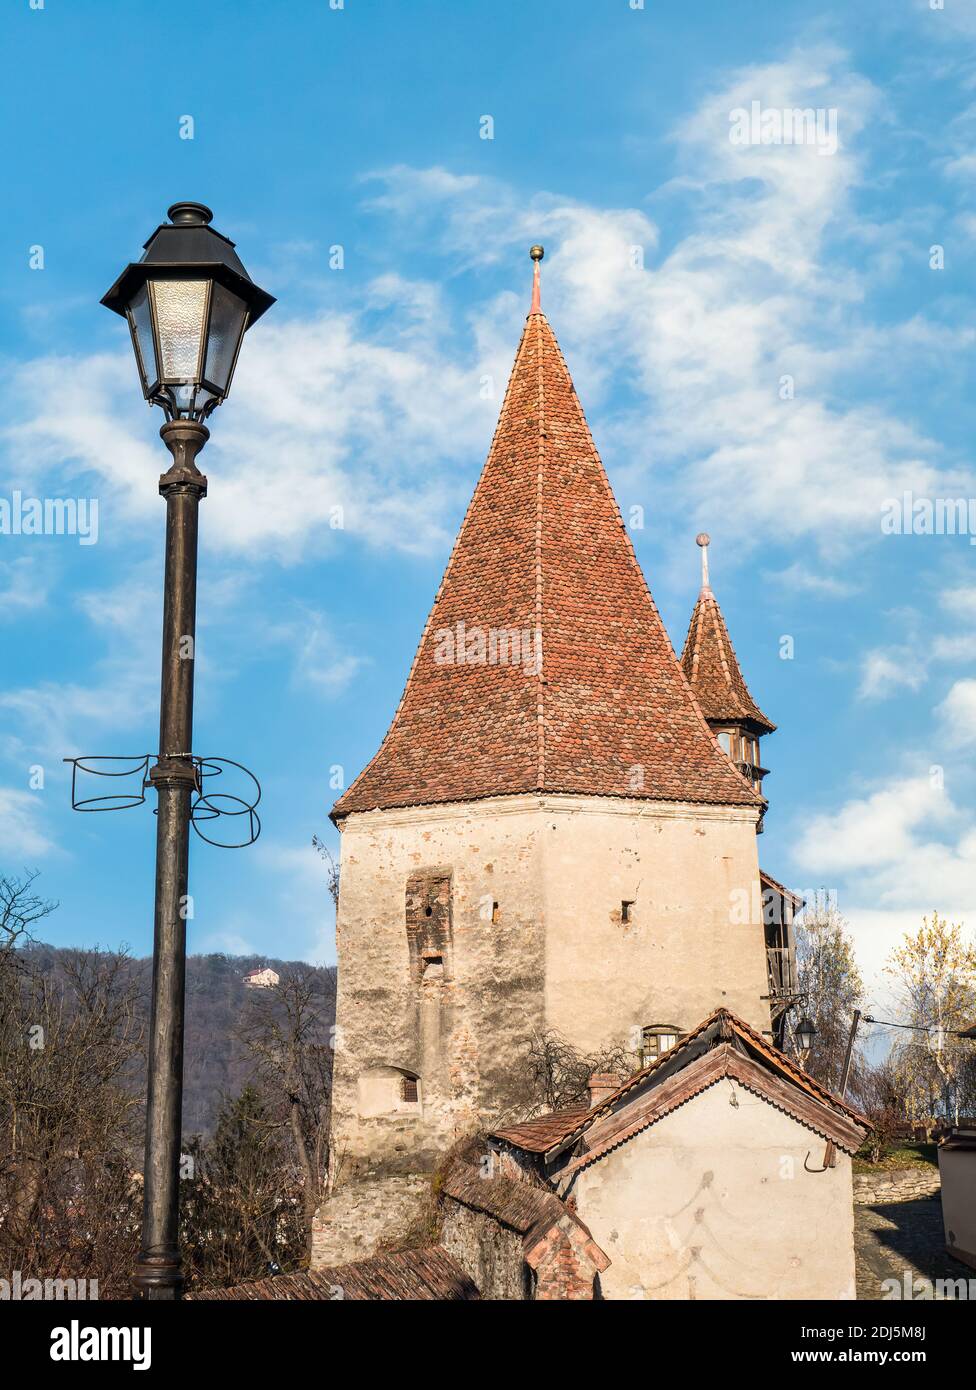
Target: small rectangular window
(494, 912)
(627, 910)
(408, 1089)
(433, 968)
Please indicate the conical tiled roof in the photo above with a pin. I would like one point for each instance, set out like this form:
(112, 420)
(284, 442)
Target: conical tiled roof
(543, 552)
(710, 663)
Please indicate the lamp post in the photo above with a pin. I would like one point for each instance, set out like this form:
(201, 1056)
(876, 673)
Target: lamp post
(188, 303)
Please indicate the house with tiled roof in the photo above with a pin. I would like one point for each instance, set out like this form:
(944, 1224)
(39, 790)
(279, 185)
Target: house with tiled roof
(719, 1171)
(554, 834)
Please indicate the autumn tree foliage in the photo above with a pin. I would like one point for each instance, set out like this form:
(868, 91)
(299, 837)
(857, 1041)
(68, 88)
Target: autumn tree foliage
(933, 974)
(830, 982)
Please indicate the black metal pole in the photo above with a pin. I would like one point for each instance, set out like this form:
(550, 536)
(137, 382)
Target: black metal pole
(158, 1273)
(830, 1153)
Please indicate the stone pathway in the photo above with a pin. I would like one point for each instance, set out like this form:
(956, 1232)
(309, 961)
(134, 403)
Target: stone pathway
(896, 1237)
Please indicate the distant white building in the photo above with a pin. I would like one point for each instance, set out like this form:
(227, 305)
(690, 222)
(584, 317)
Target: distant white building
(262, 979)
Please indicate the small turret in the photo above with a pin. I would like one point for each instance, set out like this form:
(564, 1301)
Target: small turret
(710, 663)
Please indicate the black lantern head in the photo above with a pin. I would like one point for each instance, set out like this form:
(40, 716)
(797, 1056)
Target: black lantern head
(188, 302)
(805, 1034)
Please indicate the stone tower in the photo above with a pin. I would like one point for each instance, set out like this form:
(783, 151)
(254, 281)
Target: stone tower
(550, 834)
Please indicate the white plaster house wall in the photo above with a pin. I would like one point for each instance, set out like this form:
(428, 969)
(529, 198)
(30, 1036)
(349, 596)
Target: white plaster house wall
(714, 1202)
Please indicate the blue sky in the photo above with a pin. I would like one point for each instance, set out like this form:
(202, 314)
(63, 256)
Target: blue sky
(375, 388)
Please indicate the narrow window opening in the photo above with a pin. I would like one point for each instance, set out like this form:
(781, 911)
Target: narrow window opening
(428, 912)
(494, 912)
(409, 1091)
(433, 968)
(627, 910)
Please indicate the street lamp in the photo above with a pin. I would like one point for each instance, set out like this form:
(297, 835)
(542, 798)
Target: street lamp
(805, 1034)
(188, 303)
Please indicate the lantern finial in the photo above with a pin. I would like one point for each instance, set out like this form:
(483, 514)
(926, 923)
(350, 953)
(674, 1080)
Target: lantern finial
(537, 253)
(190, 215)
(703, 539)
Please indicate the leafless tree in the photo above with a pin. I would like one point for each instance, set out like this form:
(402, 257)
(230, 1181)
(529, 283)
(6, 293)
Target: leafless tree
(286, 1031)
(241, 1204)
(68, 1121)
(332, 869)
(20, 909)
(554, 1074)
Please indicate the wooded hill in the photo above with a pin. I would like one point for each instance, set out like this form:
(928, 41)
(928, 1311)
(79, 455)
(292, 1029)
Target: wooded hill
(215, 1064)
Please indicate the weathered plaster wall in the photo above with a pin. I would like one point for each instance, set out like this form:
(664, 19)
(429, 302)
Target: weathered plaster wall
(459, 1030)
(688, 870)
(958, 1172)
(713, 1202)
(556, 953)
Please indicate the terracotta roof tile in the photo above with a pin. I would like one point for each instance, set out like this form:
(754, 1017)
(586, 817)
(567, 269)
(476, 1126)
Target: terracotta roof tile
(719, 1027)
(543, 549)
(539, 1135)
(407, 1275)
(511, 1201)
(713, 671)
(528, 1210)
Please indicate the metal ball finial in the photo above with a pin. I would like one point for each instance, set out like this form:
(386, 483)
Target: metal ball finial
(537, 252)
(702, 538)
(190, 215)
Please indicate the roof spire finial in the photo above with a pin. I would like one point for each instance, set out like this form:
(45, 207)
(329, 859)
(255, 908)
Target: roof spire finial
(703, 539)
(537, 253)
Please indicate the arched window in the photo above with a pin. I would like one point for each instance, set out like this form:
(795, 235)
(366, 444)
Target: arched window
(388, 1090)
(656, 1039)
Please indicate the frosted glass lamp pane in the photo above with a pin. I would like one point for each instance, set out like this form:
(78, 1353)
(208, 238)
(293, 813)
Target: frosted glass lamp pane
(140, 322)
(181, 314)
(228, 317)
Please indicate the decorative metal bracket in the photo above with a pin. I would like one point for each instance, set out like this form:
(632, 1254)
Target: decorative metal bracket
(208, 804)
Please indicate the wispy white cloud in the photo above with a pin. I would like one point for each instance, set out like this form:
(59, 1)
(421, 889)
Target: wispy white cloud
(876, 831)
(958, 714)
(22, 832)
(737, 343)
(886, 670)
(23, 586)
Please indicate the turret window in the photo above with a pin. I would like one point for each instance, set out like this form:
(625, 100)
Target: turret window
(741, 748)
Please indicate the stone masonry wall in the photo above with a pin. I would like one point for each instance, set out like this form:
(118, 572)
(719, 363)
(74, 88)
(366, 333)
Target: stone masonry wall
(895, 1185)
(490, 1254)
(360, 1216)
